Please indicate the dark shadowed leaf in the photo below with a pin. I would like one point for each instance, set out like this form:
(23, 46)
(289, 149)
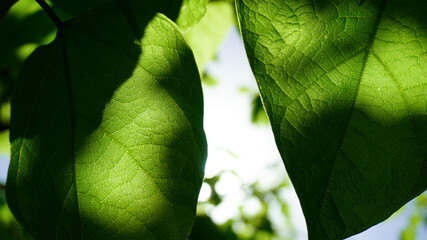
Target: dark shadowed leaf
(205, 229)
(184, 12)
(344, 83)
(106, 130)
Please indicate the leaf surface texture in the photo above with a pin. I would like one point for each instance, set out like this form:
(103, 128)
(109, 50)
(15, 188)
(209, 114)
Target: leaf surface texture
(345, 86)
(106, 130)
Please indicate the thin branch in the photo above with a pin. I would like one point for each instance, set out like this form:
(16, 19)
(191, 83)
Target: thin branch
(50, 13)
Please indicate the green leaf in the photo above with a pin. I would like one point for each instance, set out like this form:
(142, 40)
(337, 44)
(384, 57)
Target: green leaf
(205, 37)
(184, 12)
(345, 86)
(106, 130)
(191, 12)
(410, 232)
(258, 115)
(5, 5)
(4, 143)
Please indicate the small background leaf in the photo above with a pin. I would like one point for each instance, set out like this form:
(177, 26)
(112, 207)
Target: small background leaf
(205, 37)
(191, 12)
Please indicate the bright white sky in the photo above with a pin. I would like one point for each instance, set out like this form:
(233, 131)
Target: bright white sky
(236, 144)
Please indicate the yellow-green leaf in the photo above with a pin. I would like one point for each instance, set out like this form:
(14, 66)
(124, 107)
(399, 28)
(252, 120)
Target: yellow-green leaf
(106, 130)
(206, 37)
(344, 83)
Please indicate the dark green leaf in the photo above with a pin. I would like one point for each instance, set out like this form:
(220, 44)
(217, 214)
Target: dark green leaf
(205, 229)
(106, 130)
(184, 12)
(344, 83)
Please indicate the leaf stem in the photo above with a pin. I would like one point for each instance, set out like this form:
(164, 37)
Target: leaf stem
(52, 15)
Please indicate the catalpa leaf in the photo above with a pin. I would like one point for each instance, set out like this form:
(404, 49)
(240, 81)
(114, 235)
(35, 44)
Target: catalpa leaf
(106, 130)
(344, 83)
(184, 12)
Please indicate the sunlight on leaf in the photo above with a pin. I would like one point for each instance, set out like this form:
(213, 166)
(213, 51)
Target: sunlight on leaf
(107, 130)
(345, 86)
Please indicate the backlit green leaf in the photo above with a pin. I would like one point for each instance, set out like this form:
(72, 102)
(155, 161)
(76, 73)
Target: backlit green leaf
(106, 130)
(205, 37)
(344, 83)
(191, 12)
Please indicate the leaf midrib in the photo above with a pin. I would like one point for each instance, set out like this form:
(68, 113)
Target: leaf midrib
(367, 52)
(73, 117)
(405, 100)
(154, 77)
(61, 38)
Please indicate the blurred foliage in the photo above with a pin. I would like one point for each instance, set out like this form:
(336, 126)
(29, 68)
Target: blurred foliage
(208, 80)
(4, 142)
(4, 7)
(417, 219)
(23, 29)
(10, 229)
(254, 219)
(258, 114)
(206, 36)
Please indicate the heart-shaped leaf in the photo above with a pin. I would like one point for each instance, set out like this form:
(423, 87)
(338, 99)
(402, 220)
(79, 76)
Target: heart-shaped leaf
(106, 130)
(344, 83)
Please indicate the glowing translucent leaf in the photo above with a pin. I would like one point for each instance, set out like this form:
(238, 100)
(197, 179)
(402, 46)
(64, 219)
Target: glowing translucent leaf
(344, 83)
(106, 130)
